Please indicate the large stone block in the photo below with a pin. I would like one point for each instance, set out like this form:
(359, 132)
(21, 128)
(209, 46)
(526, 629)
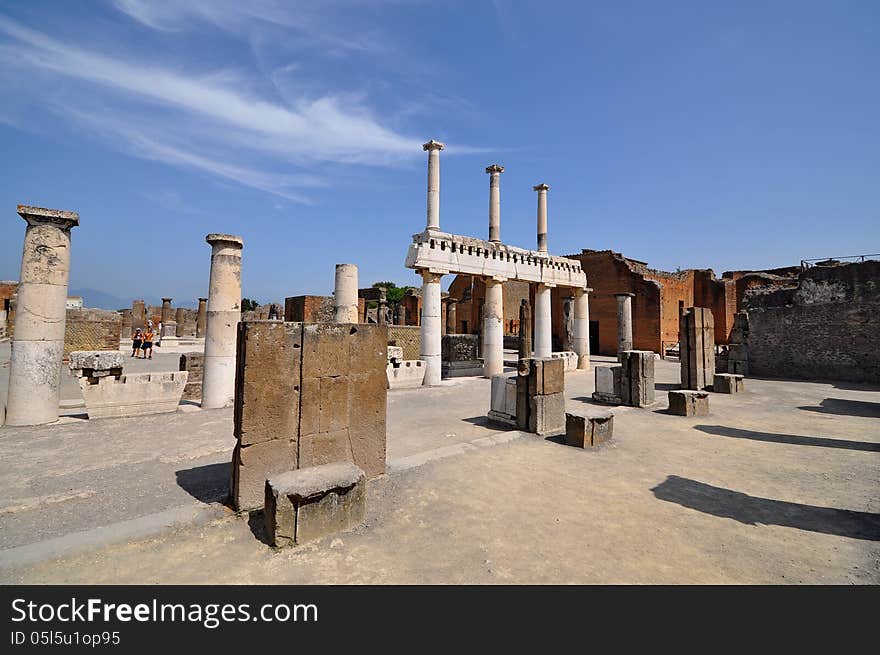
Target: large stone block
(547, 414)
(311, 503)
(637, 378)
(253, 465)
(502, 406)
(367, 421)
(546, 376)
(326, 351)
(588, 428)
(405, 374)
(727, 383)
(132, 395)
(689, 403)
(267, 395)
(608, 385)
(193, 364)
(96, 360)
(697, 348)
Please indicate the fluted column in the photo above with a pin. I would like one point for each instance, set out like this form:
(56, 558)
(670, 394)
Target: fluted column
(433, 148)
(581, 332)
(431, 327)
(223, 315)
(40, 317)
(543, 322)
(493, 329)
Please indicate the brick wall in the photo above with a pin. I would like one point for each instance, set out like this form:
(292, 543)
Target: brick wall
(825, 328)
(309, 309)
(92, 329)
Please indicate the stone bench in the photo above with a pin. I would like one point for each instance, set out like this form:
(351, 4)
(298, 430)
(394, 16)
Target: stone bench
(727, 383)
(689, 403)
(588, 428)
(314, 502)
(132, 395)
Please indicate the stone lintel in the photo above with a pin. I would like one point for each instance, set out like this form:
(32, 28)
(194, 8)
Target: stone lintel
(43, 216)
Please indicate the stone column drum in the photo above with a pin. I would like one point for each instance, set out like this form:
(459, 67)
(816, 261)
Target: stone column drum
(180, 317)
(543, 322)
(345, 294)
(624, 322)
(433, 148)
(493, 328)
(431, 328)
(41, 314)
(223, 316)
(542, 216)
(202, 318)
(581, 331)
(495, 172)
(138, 314)
(166, 309)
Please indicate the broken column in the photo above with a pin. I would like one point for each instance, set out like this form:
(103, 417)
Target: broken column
(345, 294)
(433, 148)
(493, 328)
(637, 378)
(223, 315)
(166, 310)
(624, 322)
(543, 322)
(540, 397)
(202, 318)
(525, 333)
(581, 330)
(697, 348)
(451, 316)
(41, 311)
(180, 318)
(542, 216)
(431, 327)
(138, 314)
(495, 172)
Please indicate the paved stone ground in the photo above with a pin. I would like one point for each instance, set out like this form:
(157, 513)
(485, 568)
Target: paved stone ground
(779, 484)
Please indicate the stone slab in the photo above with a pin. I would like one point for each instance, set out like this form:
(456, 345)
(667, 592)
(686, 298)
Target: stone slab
(546, 376)
(96, 360)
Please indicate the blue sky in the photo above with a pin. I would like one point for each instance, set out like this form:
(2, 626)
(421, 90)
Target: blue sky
(687, 134)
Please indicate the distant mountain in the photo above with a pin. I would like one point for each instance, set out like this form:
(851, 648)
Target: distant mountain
(100, 299)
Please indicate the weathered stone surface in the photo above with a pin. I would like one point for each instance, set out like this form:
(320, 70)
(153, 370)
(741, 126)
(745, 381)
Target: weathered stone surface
(132, 395)
(253, 465)
(314, 502)
(503, 403)
(727, 383)
(608, 385)
(395, 353)
(637, 378)
(192, 363)
(697, 347)
(547, 414)
(546, 376)
(406, 374)
(689, 403)
(588, 428)
(96, 360)
(459, 355)
(267, 382)
(522, 399)
(569, 357)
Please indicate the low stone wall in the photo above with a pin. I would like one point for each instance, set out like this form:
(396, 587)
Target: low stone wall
(132, 395)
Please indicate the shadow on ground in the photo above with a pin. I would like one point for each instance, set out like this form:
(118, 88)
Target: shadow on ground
(209, 483)
(484, 422)
(667, 386)
(753, 510)
(844, 407)
(793, 439)
(258, 526)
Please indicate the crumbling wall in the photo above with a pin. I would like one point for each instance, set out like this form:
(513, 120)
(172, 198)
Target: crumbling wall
(827, 327)
(92, 329)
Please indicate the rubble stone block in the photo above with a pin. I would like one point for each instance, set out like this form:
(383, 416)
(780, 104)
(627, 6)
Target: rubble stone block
(96, 360)
(727, 383)
(547, 414)
(546, 376)
(253, 465)
(608, 385)
(689, 403)
(315, 502)
(588, 428)
(637, 378)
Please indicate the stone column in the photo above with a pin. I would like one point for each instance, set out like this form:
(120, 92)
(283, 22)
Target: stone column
(581, 331)
(223, 316)
(166, 310)
(138, 314)
(202, 318)
(431, 327)
(525, 330)
(495, 172)
(382, 312)
(543, 322)
(180, 317)
(401, 313)
(345, 294)
(542, 218)
(433, 148)
(451, 316)
(41, 314)
(624, 321)
(493, 329)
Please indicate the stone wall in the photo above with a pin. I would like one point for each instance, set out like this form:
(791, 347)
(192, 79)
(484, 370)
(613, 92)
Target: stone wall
(824, 328)
(309, 309)
(408, 337)
(92, 329)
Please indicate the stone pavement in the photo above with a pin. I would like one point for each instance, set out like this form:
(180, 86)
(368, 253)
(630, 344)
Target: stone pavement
(778, 484)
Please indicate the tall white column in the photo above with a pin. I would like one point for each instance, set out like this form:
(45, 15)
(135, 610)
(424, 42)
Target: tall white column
(40, 317)
(433, 148)
(624, 321)
(345, 294)
(581, 331)
(495, 172)
(542, 216)
(543, 322)
(223, 316)
(493, 329)
(432, 327)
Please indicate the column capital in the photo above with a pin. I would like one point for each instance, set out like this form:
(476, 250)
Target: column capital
(42, 216)
(167, 299)
(494, 168)
(231, 239)
(433, 145)
(541, 187)
(625, 293)
(203, 300)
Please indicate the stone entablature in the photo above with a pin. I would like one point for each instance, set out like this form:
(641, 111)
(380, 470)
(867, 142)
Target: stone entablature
(441, 252)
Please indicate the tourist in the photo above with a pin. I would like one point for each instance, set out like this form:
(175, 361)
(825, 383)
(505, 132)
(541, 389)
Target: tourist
(147, 345)
(136, 342)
